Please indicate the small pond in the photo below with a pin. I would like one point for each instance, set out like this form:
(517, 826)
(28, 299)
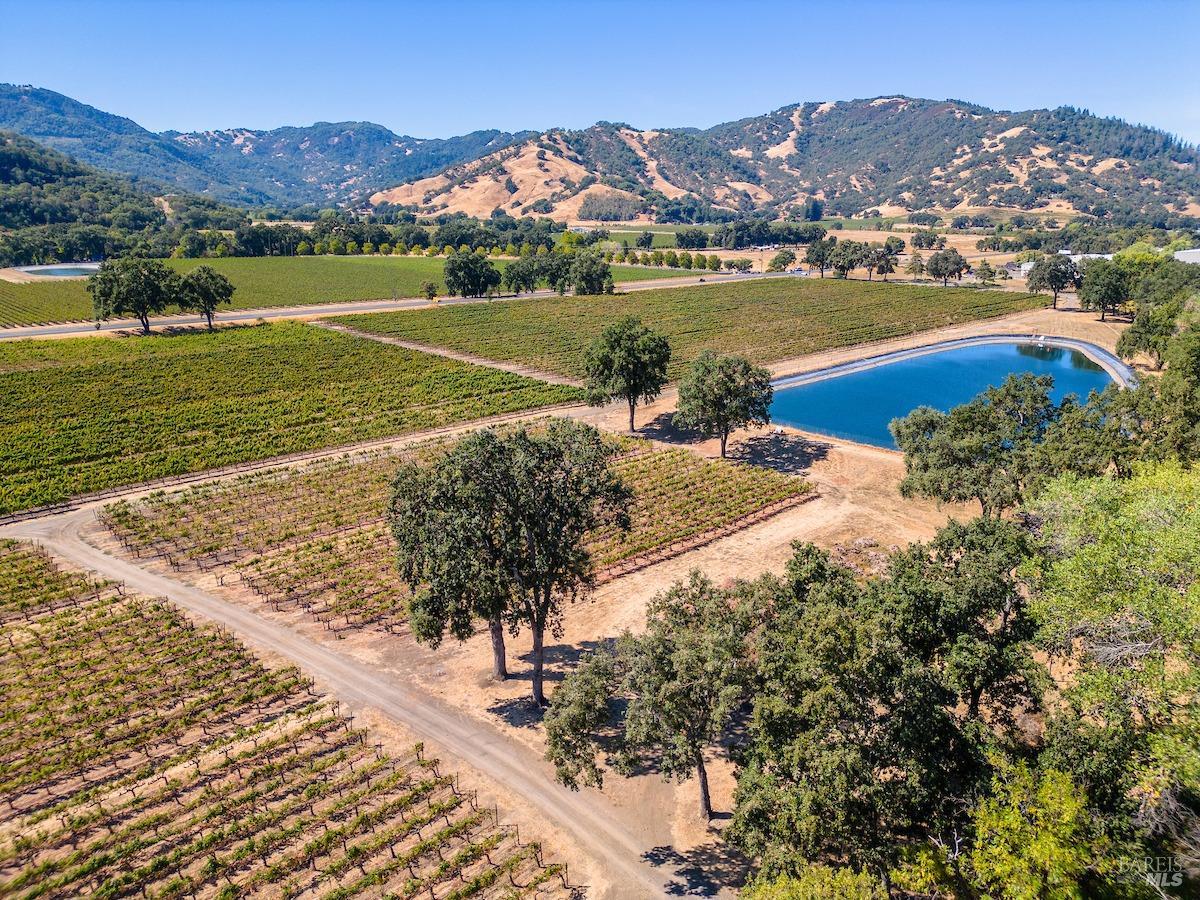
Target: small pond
(859, 404)
(63, 270)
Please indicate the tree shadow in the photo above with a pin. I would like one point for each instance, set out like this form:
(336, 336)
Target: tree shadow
(170, 331)
(791, 454)
(663, 428)
(560, 658)
(519, 712)
(522, 712)
(702, 871)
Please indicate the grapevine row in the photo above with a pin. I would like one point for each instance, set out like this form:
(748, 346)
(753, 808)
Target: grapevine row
(316, 539)
(162, 760)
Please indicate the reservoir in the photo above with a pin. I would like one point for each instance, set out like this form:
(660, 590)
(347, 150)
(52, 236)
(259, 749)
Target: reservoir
(856, 401)
(63, 270)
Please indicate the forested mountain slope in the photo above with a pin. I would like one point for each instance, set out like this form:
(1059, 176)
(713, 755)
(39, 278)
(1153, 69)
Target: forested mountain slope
(895, 154)
(322, 164)
(53, 207)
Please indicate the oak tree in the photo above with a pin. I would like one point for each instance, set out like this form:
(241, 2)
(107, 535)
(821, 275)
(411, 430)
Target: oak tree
(723, 393)
(132, 286)
(496, 530)
(203, 289)
(628, 361)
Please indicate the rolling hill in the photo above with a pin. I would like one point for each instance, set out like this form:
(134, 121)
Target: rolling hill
(894, 154)
(323, 164)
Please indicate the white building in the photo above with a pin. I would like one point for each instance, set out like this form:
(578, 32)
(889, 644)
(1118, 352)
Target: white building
(1080, 258)
(1188, 256)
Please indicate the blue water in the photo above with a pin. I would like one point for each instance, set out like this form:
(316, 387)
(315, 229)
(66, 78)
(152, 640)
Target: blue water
(858, 406)
(66, 271)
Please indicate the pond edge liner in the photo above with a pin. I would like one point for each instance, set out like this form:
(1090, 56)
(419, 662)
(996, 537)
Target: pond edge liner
(1116, 368)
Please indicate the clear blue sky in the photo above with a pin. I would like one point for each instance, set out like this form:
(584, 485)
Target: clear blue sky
(438, 67)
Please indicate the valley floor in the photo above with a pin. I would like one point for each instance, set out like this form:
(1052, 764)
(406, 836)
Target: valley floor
(640, 837)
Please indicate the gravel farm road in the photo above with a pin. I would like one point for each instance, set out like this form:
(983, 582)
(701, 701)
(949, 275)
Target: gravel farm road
(586, 815)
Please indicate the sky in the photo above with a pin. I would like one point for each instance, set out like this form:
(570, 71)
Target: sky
(439, 67)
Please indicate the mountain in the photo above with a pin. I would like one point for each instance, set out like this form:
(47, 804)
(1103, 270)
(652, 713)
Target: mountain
(893, 154)
(53, 207)
(326, 163)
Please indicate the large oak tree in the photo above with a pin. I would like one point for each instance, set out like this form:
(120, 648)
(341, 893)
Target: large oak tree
(133, 286)
(496, 531)
(722, 393)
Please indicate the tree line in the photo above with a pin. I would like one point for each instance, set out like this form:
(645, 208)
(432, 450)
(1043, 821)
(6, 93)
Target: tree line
(1009, 708)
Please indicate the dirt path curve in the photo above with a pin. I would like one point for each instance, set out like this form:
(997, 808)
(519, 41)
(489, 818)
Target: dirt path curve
(587, 815)
(514, 368)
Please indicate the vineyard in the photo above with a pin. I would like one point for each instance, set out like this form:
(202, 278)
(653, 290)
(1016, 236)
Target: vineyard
(86, 413)
(266, 282)
(766, 320)
(316, 539)
(43, 301)
(146, 756)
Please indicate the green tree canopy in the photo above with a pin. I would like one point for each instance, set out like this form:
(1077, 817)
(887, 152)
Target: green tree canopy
(679, 684)
(1116, 591)
(590, 274)
(946, 264)
(722, 393)
(985, 273)
(203, 289)
(986, 450)
(1176, 432)
(846, 256)
(133, 286)
(627, 362)
(781, 260)
(1153, 326)
(882, 261)
(1054, 273)
(521, 275)
(819, 252)
(874, 704)
(817, 882)
(1105, 286)
(469, 274)
(496, 530)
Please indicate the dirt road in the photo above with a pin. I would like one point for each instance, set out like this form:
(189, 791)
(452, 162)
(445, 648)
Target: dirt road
(514, 368)
(586, 816)
(315, 310)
